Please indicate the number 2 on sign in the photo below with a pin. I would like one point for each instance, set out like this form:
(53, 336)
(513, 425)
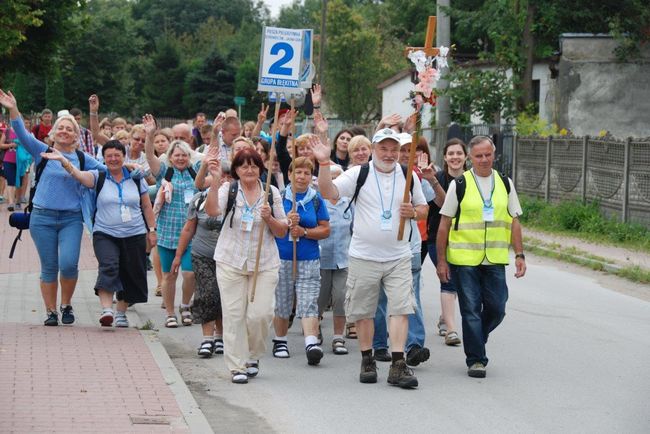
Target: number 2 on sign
(278, 66)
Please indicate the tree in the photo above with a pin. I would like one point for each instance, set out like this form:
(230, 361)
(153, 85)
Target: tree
(246, 86)
(210, 86)
(162, 91)
(54, 97)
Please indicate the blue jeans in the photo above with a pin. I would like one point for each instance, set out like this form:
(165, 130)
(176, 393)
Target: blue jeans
(416, 333)
(57, 236)
(482, 296)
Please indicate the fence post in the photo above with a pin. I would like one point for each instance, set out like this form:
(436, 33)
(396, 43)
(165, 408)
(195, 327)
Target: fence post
(585, 141)
(547, 190)
(626, 181)
(515, 145)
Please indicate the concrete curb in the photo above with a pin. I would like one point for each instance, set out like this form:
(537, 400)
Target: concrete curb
(606, 267)
(192, 413)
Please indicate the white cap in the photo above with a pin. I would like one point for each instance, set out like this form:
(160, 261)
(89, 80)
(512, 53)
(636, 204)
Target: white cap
(385, 134)
(405, 138)
(62, 113)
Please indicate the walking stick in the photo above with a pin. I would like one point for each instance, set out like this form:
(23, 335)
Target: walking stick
(294, 265)
(266, 192)
(409, 172)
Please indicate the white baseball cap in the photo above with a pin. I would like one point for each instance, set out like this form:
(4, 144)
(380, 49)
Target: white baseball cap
(62, 113)
(405, 139)
(385, 134)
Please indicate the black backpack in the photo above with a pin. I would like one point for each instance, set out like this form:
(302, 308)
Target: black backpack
(232, 195)
(20, 220)
(170, 173)
(461, 186)
(363, 175)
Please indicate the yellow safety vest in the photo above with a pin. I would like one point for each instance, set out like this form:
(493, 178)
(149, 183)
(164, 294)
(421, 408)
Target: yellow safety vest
(476, 239)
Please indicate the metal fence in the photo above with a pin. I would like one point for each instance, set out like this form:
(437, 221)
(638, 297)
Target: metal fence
(614, 173)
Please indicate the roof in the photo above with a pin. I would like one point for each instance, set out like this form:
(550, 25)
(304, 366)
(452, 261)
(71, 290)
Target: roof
(397, 77)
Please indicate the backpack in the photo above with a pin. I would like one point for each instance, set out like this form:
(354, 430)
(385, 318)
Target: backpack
(170, 173)
(232, 195)
(363, 175)
(20, 220)
(461, 186)
(101, 178)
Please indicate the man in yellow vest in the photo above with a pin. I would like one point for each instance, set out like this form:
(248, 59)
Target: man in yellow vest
(472, 243)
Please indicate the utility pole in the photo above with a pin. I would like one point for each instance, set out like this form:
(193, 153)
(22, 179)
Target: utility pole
(443, 38)
(321, 53)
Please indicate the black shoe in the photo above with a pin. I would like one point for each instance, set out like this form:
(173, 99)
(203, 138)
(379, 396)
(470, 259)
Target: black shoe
(67, 315)
(477, 370)
(382, 355)
(314, 354)
(402, 376)
(52, 319)
(417, 355)
(368, 370)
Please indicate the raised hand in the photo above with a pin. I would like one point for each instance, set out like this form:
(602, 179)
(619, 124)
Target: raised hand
(214, 167)
(320, 123)
(423, 161)
(316, 95)
(54, 155)
(214, 152)
(428, 172)
(93, 103)
(149, 123)
(261, 116)
(218, 122)
(8, 100)
(320, 150)
(389, 120)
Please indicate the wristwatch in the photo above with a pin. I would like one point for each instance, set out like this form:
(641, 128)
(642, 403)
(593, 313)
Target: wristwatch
(520, 255)
(305, 234)
(152, 229)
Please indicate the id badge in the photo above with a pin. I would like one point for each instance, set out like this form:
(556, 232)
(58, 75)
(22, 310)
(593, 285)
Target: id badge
(488, 214)
(247, 221)
(386, 223)
(125, 214)
(187, 196)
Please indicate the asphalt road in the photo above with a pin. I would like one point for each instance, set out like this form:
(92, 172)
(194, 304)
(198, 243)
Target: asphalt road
(571, 356)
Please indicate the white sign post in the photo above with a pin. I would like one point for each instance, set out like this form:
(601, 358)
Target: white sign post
(285, 60)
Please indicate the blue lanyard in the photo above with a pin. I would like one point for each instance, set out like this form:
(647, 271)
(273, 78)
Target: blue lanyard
(385, 213)
(119, 186)
(248, 209)
(486, 203)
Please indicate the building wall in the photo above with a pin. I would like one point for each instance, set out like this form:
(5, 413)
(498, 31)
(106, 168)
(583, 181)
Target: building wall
(394, 100)
(595, 92)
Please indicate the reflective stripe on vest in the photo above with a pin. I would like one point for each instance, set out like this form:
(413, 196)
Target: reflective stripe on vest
(476, 239)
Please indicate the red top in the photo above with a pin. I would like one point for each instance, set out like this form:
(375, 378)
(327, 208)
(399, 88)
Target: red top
(41, 131)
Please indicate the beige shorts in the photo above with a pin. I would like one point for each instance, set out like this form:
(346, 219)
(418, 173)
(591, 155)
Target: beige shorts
(364, 280)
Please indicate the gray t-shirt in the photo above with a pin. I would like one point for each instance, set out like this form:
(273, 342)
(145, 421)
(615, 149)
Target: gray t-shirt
(207, 228)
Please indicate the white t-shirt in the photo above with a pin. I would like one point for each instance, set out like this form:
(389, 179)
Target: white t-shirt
(369, 242)
(450, 206)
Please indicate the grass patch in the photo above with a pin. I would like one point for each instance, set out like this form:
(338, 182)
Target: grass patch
(585, 221)
(635, 273)
(148, 325)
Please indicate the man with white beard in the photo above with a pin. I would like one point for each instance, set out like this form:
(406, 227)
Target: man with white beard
(376, 257)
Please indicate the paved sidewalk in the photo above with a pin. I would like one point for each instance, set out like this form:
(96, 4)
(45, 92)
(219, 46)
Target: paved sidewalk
(81, 378)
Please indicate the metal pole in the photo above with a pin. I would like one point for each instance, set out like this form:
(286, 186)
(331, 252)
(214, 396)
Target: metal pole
(515, 144)
(626, 181)
(585, 142)
(547, 190)
(321, 53)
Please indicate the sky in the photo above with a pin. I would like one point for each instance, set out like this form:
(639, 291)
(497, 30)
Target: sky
(274, 6)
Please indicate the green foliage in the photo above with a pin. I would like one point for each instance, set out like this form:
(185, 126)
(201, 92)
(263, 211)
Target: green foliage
(160, 93)
(16, 16)
(486, 93)
(585, 220)
(301, 14)
(533, 125)
(209, 86)
(246, 85)
(54, 98)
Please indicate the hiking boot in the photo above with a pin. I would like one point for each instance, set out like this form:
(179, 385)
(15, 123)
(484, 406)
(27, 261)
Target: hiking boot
(52, 318)
(314, 354)
(67, 314)
(417, 355)
(368, 370)
(401, 375)
(477, 370)
(382, 355)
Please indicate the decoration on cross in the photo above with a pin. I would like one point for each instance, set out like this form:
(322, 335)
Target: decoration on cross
(428, 69)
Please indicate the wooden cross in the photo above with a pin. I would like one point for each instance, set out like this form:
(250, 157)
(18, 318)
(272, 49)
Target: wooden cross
(429, 51)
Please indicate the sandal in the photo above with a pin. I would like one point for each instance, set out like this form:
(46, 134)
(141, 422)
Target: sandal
(452, 339)
(252, 368)
(218, 346)
(350, 330)
(280, 349)
(206, 349)
(338, 347)
(442, 327)
(239, 377)
(158, 291)
(171, 322)
(186, 315)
